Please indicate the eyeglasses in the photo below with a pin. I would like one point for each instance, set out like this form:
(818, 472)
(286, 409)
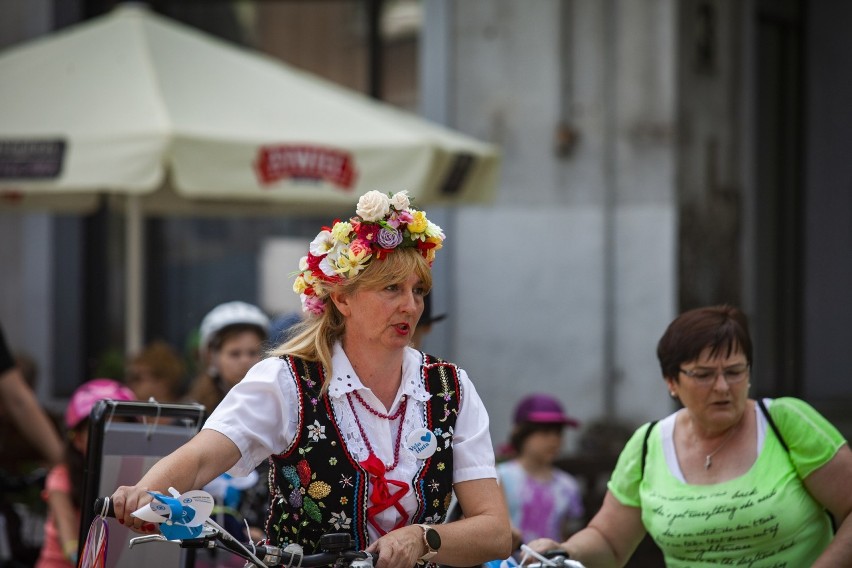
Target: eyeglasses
(707, 377)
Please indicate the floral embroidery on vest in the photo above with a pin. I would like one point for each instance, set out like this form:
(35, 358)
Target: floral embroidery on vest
(317, 486)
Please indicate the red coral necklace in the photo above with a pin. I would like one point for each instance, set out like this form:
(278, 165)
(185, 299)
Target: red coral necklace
(400, 412)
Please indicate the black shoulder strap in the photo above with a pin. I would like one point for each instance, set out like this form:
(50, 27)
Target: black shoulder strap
(645, 447)
(772, 424)
(775, 429)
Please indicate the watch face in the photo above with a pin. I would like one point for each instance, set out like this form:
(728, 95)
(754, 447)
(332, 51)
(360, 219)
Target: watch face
(433, 539)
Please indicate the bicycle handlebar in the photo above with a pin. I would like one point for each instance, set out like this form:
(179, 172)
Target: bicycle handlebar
(554, 558)
(336, 549)
(555, 562)
(103, 507)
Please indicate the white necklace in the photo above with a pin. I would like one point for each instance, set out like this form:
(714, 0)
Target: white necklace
(708, 459)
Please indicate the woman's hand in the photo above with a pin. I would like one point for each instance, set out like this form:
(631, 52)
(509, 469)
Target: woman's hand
(193, 465)
(542, 545)
(402, 547)
(125, 500)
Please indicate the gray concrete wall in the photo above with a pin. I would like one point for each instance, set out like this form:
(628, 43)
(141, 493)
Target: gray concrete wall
(566, 282)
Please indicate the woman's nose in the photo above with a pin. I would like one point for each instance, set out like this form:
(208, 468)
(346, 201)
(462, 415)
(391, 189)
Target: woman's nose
(411, 302)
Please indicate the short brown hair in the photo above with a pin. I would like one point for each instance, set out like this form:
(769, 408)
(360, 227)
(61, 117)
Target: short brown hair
(722, 328)
(163, 362)
(524, 430)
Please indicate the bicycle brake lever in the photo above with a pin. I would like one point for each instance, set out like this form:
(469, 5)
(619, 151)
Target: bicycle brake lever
(146, 538)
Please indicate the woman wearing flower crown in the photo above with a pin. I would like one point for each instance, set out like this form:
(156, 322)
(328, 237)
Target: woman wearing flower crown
(364, 434)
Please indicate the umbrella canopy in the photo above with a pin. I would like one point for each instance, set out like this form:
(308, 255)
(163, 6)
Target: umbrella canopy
(177, 121)
(135, 103)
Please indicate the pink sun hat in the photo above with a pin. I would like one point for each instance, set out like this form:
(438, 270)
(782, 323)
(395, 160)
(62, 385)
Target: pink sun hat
(89, 393)
(543, 409)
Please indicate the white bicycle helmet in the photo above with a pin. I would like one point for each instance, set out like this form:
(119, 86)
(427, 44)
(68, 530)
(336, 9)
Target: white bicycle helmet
(230, 313)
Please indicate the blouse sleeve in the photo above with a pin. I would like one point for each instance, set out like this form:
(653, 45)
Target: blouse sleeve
(473, 454)
(811, 439)
(259, 414)
(627, 475)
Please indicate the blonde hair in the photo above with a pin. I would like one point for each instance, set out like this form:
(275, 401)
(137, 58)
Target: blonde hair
(312, 339)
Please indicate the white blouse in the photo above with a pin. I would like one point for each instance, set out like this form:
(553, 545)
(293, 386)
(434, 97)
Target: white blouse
(260, 415)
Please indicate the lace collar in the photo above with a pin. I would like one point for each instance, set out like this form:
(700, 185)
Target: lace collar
(346, 380)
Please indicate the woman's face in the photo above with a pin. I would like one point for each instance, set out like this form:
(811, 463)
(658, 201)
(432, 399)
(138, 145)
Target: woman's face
(239, 352)
(713, 389)
(383, 317)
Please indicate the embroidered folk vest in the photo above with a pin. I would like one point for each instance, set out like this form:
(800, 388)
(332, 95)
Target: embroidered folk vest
(317, 487)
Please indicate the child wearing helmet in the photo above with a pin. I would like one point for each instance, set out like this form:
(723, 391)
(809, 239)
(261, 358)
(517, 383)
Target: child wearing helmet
(231, 341)
(232, 338)
(64, 483)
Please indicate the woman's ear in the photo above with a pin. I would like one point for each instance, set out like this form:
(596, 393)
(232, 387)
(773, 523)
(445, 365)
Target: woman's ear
(341, 301)
(672, 386)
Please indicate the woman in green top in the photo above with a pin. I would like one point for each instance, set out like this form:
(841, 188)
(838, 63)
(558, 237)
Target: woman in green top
(726, 480)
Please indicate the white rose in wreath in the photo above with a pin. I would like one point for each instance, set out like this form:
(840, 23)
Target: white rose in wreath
(373, 206)
(400, 201)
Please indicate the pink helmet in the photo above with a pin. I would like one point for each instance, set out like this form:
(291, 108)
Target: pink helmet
(89, 393)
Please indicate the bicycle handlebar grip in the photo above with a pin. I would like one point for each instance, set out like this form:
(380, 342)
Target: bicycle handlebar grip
(103, 507)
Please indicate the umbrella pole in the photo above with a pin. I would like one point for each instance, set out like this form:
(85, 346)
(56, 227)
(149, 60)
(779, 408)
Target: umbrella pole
(134, 271)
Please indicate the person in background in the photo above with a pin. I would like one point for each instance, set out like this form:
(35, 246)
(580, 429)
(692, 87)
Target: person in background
(543, 500)
(28, 367)
(726, 480)
(63, 487)
(18, 456)
(157, 372)
(424, 325)
(365, 435)
(22, 474)
(231, 340)
(24, 409)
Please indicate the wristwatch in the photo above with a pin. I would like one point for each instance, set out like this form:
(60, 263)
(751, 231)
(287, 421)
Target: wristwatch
(432, 540)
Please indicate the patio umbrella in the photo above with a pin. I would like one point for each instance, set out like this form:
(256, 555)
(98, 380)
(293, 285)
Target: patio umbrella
(176, 121)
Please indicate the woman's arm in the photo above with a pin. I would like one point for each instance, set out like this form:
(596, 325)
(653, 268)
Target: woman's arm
(608, 541)
(485, 524)
(29, 416)
(482, 535)
(207, 455)
(831, 485)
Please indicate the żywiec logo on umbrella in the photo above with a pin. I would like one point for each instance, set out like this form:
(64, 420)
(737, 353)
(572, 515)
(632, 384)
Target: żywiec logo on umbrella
(318, 163)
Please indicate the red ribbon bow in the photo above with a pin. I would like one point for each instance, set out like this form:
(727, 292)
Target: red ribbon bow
(381, 496)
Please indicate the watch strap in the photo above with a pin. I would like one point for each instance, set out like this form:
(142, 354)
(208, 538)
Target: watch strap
(430, 552)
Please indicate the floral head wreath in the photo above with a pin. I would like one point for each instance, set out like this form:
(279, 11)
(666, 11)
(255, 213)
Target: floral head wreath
(383, 224)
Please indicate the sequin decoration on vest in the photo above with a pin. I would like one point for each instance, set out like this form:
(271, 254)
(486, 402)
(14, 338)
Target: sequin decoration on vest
(317, 486)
